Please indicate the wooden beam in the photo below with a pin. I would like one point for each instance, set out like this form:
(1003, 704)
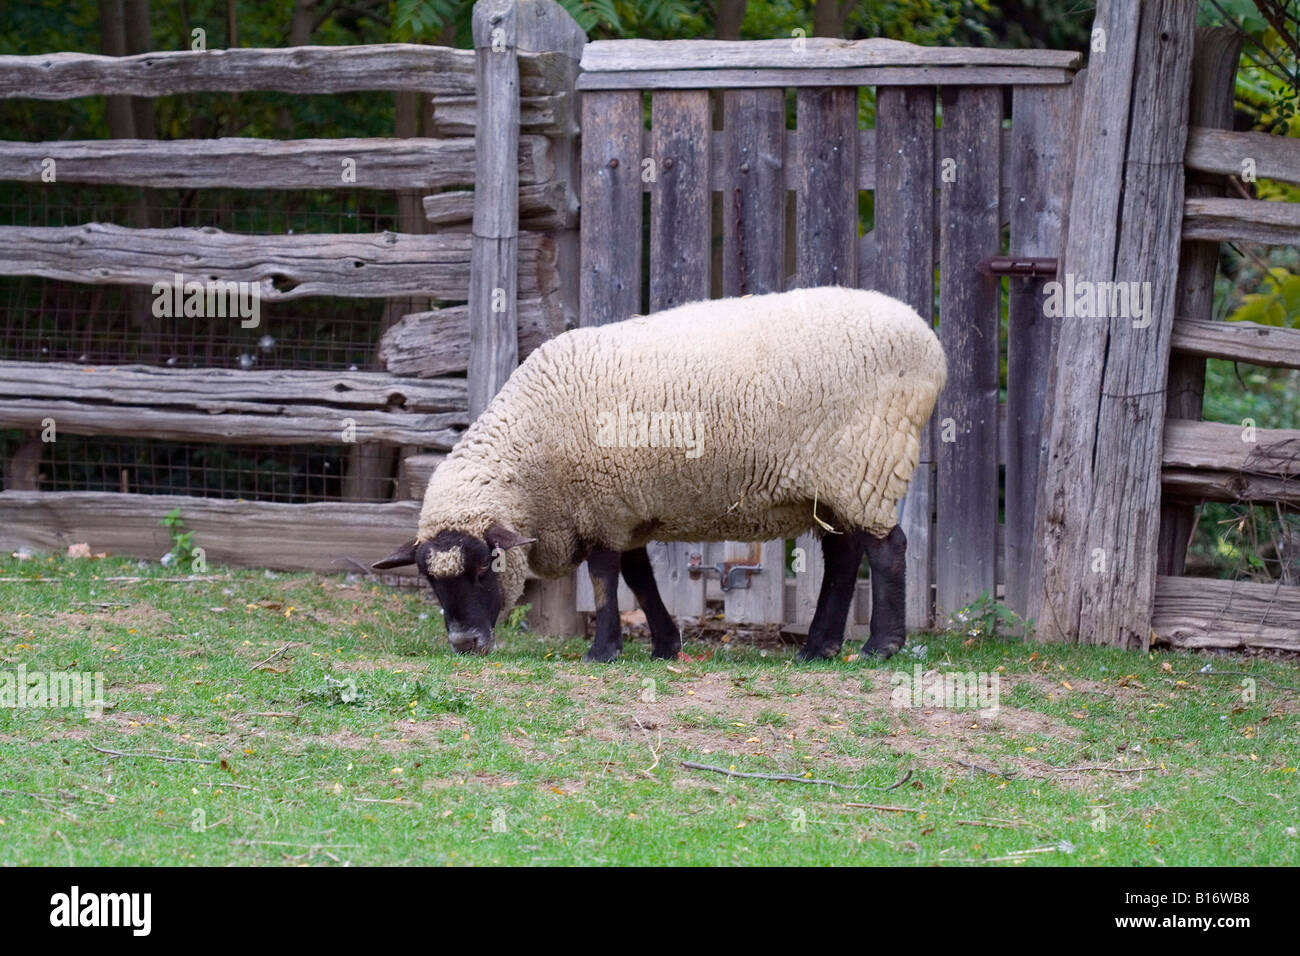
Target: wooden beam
(1042, 156)
(1189, 486)
(624, 55)
(611, 207)
(1268, 345)
(1216, 446)
(680, 236)
(542, 207)
(437, 343)
(864, 76)
(1233, 154)
(299, 69)
(414, 474)
(220, 389)
(904, 155)
(966, 487)
(1065, 495)
(246, 163)
(322, 536)
(552, 115)
(1248, 220)
(1192, 613)
(1121, 535)
(289, 424)
(494, 278)
(379, 265)
(1214, 72)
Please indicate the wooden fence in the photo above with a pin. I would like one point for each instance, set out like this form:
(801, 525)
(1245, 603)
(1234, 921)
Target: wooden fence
(1126, 455)
(789, 206)
(1071, 496)
(424, 399)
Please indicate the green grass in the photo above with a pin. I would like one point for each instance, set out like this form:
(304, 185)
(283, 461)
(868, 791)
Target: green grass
(530, 756)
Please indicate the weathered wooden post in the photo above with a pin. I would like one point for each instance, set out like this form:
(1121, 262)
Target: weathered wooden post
(502, 30)
(1097, 520)
(1214, 75)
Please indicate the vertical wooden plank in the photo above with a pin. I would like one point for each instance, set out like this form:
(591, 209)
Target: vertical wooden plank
(826, 202)
(753, 221)
(1042, 148)
(825, 236)
(966, 495)
(904, 268)
(1124, 521)
(493, 332)
(545, 27)
(1078, 345)
(753, 233)
(680, 226)
(763, 601)
(808, 582)
(610, 228)
(1214, 69)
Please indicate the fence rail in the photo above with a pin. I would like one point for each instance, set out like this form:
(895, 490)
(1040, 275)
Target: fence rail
(398, 67)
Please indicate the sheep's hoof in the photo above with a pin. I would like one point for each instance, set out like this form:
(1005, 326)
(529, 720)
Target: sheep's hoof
(884, 647)
(602, 654)
(811, 652)
(665, 652)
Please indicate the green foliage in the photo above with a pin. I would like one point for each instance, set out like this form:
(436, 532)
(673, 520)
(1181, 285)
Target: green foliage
(987, 617)
(1278, 304)
(182, 550)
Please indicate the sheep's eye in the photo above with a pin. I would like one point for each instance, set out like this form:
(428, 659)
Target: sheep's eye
(481, 572)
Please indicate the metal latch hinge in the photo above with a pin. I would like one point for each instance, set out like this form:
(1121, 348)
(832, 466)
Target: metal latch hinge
(732, 576)
(1021, 266)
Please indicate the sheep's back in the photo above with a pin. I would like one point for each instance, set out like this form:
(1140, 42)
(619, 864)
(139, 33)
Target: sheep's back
(762, 404)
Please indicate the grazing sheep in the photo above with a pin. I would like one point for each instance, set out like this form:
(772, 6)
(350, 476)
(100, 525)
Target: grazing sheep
(738, 419)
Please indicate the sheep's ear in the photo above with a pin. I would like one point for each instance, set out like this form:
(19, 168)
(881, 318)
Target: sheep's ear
(398, 559)
(499, 536)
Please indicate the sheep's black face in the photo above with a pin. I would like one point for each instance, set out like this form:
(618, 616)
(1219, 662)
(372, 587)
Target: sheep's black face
(460, 568)
(465, 573)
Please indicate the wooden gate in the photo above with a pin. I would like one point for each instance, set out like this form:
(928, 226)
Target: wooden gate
(943, 173)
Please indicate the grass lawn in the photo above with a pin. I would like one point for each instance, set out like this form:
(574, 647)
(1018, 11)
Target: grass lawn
(365, 740)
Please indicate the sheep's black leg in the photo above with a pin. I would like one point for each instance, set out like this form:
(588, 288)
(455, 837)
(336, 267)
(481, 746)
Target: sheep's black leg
(608, 642)
(665, 639)
(888, 558)
(842, 554)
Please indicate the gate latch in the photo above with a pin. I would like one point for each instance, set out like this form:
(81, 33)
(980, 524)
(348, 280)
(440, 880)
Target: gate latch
(732, 575)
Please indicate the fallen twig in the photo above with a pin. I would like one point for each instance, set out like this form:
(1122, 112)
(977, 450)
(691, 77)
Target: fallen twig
(654, 754)
(1100, 769)
(65, 797)
(791, 778)
(883, 806)
(394, 801)
(260, 664)
(1005, 774)
(128, 753)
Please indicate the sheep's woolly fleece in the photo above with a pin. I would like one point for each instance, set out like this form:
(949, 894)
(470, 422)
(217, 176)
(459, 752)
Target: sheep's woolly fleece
(718, 420)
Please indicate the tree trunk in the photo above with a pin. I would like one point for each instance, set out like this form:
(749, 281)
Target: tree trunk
(731, 13)
(829, 17)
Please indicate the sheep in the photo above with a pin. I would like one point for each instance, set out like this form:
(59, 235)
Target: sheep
(736, 419)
